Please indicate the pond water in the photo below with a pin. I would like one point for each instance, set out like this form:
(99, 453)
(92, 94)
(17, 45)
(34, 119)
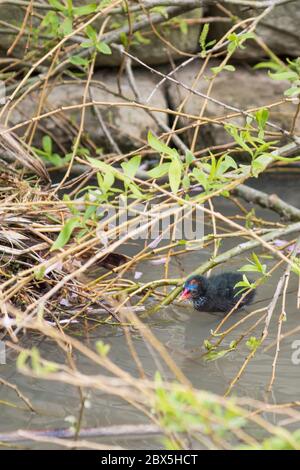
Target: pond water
(180, 329)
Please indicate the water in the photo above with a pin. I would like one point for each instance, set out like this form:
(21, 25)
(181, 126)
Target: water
(181, 330)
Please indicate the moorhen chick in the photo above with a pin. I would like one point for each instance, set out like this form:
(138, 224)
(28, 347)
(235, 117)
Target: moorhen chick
(216, 293)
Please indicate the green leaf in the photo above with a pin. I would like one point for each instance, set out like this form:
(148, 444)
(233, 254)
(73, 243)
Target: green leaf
(231, 47)
(224, 164)
(130, 168)
(214, 355)
(213, 168)
(293, 91)
(203, 36)
(248, 268)
(56, 4)
(39, 273)
(230, 162)
(141, 39)
(186, 184)
(56, 159)
(66, 26)
(175, 172)
(87, 44)
(287, 159)
(103, 48)
(88, 214)
(183, 27)
(232, 130)
(159, 171)
(216, 70)
(47, 144)
(103, 4)
(189, 157)
(160, 146)
(230, 68)
(207, 344)
(201, 177)
(267, 65)
(286, 75)
(161, 10)
(245, 284)
(91, 33)
(256, 261)
(232, 37)
(85, 10)
(253, 343)
(65, 233)
(261, 116)
(260, 164)
(108, 181)
(77, 60)
(102, 348)
(51, 20)
(105, 168)
(135, 191)
(296, 266)
(245, 36)
(124, 39)
(70, 7)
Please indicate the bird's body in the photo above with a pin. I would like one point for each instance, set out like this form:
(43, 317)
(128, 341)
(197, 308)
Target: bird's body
(217, 293)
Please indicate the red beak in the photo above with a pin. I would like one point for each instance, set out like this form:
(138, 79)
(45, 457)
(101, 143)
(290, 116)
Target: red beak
(186, 294)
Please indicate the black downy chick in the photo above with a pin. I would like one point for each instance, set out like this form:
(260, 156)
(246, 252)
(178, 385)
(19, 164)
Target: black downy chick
(216, 293)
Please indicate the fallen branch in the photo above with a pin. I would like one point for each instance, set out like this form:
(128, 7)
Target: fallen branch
(268, 201)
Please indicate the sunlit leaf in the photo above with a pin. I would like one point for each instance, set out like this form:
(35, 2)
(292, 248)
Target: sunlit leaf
(131, 167)
(175, 171)
(160, 147)
(66, 233)
(85, 9)
(159, 171)
(66, 27)
(103, 48)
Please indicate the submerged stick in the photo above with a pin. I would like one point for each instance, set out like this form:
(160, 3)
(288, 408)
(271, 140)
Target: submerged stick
(122, 430)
